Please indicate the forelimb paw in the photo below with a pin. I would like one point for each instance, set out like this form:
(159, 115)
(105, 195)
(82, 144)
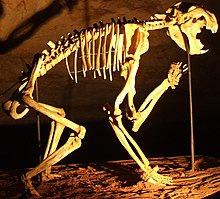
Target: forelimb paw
(175, 72)
(155, 178)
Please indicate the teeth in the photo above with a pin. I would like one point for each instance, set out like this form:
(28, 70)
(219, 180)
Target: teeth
(200, 44)
(204, 51)
(214, 29)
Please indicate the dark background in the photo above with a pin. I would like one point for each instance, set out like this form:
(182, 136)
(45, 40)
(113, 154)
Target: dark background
(26, 27)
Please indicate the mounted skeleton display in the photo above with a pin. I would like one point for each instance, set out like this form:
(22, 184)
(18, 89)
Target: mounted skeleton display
(104, 49)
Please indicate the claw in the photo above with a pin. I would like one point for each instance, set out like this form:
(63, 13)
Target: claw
(157, 179)
(175, 72)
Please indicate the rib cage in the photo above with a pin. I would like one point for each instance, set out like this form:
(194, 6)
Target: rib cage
(100, 48)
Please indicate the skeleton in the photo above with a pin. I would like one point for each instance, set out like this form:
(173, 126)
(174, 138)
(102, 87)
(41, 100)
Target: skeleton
(104, 49)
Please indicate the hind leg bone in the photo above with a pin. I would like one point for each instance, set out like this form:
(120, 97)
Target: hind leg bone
(52, 156)
(72, 144)
(53, 140)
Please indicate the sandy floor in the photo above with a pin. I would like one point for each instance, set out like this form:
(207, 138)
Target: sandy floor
(121, 179)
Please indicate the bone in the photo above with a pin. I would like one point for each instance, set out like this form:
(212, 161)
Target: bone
(82, 45)
(66, 43)
(87, 48)
(12, 107)
(150, 102)
(109, 61)
(123, 135)
(75, 65)
(68, 68)
(105, 29)
(50, 138)
(51, 44)
(93, 52)
(72, 144)
(120, 51)
(55, 131)
(98, 52)
(150, 174)
(45, 52)
(70, 36)
(116, 46)
(90, 55)
(62, 50)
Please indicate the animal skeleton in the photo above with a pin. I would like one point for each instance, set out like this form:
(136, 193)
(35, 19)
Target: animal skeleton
(105, 48)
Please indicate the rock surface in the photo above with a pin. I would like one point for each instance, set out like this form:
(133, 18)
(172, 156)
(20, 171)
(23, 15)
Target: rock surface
(121, 179)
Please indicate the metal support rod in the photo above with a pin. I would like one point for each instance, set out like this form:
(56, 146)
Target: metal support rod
(38, 123)
(191, 114)
(190, 101)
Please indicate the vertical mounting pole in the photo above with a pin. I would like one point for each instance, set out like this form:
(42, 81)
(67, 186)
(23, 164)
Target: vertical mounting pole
(38, 123)
(191, 114)
(190, 101)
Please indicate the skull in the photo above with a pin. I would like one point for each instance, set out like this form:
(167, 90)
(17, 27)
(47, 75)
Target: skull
(189, 18)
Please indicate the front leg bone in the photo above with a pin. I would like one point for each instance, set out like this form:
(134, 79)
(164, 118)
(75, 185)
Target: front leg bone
(174, 74)
(123, 135)
(131, 68)
(149, 102)
(149, 174)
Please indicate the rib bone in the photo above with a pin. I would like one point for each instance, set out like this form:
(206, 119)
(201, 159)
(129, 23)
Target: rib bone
(105, 31)
(109, 61)
(82, 45)
(87, 48)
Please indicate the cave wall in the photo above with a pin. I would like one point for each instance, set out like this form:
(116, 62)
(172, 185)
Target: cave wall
(26, 27)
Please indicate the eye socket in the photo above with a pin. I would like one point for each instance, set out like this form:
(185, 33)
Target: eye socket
(201, 18)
